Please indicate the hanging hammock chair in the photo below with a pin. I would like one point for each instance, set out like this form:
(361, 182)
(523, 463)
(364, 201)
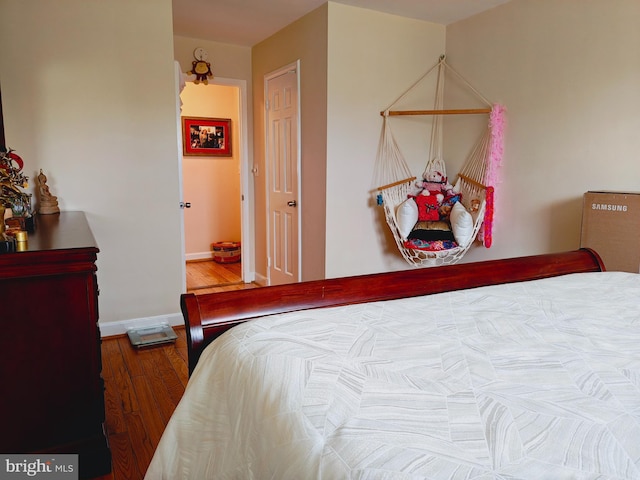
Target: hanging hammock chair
(433, 228)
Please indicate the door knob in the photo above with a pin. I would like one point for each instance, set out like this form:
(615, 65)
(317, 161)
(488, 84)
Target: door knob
(185, 205)
(292, 203)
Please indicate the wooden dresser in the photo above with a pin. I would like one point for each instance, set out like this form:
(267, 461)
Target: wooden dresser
(50, 362)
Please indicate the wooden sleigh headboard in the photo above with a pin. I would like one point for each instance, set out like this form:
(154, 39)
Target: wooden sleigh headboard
(207, 316)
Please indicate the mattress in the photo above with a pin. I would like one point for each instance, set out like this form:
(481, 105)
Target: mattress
(532, 380)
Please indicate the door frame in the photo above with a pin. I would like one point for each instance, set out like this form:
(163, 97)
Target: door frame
(179, 79)
(247, 222)
(295, 66)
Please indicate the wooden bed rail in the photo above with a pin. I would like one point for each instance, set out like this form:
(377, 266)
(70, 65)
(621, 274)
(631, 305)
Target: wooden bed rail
(209, 315)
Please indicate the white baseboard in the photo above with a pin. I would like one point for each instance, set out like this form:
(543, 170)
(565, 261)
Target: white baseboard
(110, 329)
(261, 280)
(199, 256)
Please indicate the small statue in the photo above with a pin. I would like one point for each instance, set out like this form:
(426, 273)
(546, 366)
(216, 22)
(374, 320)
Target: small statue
(48, 202)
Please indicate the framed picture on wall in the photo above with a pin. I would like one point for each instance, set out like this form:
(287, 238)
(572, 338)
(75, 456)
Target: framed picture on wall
(210, 137)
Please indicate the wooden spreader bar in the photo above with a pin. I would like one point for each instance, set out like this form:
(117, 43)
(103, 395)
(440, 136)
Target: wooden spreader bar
(455, 111)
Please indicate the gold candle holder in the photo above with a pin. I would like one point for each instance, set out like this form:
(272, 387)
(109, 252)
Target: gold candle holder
(22, 241)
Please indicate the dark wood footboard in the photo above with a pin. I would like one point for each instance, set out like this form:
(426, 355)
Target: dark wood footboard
(208, 316)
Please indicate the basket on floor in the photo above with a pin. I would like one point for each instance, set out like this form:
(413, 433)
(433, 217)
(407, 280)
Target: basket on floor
(226, 252)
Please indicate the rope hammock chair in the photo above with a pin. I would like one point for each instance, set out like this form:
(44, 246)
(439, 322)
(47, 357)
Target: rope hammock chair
(463, 212)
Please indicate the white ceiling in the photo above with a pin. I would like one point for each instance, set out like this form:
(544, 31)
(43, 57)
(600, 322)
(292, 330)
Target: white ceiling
(247, 22)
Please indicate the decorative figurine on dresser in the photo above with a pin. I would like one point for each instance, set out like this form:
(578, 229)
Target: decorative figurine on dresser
(50, 360)
(16, 202)
(12, 181)
(48, 202)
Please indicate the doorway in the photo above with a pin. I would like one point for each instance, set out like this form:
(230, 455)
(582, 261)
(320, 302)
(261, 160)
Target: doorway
(215, 190)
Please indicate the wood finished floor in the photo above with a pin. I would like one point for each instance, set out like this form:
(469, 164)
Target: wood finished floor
(143, 386)
(208, 276)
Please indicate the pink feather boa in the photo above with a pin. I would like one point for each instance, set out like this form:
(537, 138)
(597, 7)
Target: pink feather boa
(497, 123)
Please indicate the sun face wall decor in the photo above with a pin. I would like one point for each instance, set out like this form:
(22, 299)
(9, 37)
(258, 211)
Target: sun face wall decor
(200, 67)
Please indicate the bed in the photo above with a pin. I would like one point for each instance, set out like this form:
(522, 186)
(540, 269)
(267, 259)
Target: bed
(523, 368)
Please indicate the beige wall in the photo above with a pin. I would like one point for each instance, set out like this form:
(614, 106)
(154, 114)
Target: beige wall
(568, 76)
(227, 61)
(353, 63)
(211, 184)
(373, 58)
(568, 72)
(89, 96)
(304, 40)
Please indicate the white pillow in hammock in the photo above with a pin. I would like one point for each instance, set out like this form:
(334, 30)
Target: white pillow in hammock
(406, 217)
(461, 224)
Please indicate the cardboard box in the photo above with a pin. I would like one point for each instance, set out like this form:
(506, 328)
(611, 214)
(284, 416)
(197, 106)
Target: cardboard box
(611, 226)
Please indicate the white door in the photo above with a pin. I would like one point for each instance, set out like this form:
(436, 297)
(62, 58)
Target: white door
(283, 159)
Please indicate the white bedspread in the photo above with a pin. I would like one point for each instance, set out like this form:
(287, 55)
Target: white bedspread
(537, 380)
